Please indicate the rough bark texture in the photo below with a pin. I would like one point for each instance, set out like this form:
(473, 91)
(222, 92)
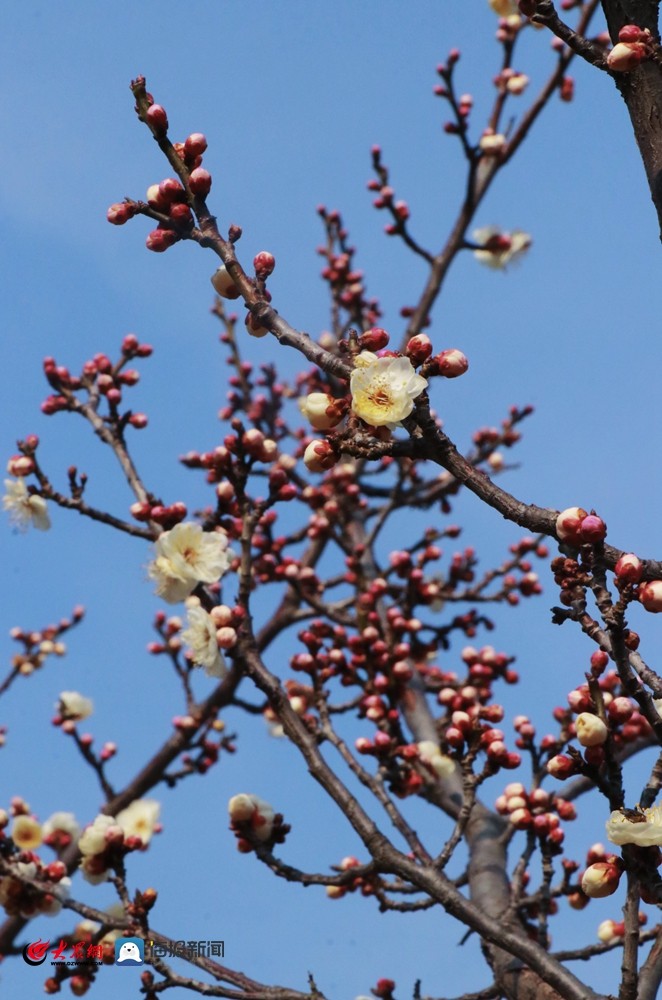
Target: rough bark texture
(642, 90)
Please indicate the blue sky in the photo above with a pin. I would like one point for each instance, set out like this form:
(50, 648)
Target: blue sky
(291, 97)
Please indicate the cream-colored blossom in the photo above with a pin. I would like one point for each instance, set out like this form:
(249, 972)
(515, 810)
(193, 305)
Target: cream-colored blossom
(498, 249)
(185, 556)
(93, 839)
(200, 637)
(64, 822)
(384, 389)
(26, 833)
(74, 706)
(245, 808)
(643, 829)
(25, 509)
(139, 819)
(504, 8)
(432, 757)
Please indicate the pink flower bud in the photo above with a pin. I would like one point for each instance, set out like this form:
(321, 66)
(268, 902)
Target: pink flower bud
(226, 637)
(171, 190)
(650, 595)
(591, 730)
(593, 529)
(419, 349)
(620, 709)
(119, 213)
(200, 182)
(20, 465)
(568, 525)
(452, 363)
(560, 766)
(374, 339)
(632, 33)
(521, 819)
(195, 145)
(626, 56)
(264, 263)
(160, 239)
(138, 420)
(319, 456)
(158, 119)
(629, 568)
(223, 283)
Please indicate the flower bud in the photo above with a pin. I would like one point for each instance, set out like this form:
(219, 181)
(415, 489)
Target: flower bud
(560, 766)
(20, 465)
(629, 568)
(609, 932)
(632, 33)
(626, 56)
(319, 456)
(195, 145)
(419, 349)
(591, 730)
(593, 529)
(200, 182)
(320, 410)
(452, 363)
(223, 283)
(119, 213)
(374, 339)
(601, 879)
(650, 595)
(160, 239)
(158, 119)
(264, 263)
(254, 327)
(568, 525)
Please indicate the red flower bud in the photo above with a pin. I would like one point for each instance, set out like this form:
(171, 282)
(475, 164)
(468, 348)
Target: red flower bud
(158, 119)
(195, 145)
(452, 363)
(200, 182)
(264, 263)
(119, 213)
(650, 595)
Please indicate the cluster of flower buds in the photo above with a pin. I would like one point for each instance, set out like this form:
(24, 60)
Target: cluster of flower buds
(99, 374)
(634, 45)
(537, 811)
(39, 644)
(165, 515)
(385, 200)
(104, 843)
(170, 201)
(577, 527)
(509, 81)
(345, 281)
(48, 885)
(360, 883)
(254, 821)
(301, 698)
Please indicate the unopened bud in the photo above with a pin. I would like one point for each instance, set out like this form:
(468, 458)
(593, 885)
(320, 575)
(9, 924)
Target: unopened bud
(223, 283)
(626, 56)
(319, 456)
(321, 410)
(650, 596)
(591, 730)
(451, 363)
(568, 525)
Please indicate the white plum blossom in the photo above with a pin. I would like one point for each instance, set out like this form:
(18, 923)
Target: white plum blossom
(200, 637)
(384, 389)
(497, 249)
(26, 833)
(244, 808)
(185, 556)
(64, 822)
(74, 706)
(93, 839)
(25, 509)
(139, 819)
(644, 829)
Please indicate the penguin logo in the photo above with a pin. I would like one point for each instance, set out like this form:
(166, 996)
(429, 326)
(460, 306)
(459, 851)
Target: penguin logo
(129, 951)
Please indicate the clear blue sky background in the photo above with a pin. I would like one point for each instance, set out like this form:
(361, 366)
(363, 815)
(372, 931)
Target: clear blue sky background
(291, 96)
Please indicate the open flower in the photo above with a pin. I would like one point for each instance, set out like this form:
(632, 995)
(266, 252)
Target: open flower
(26, 833)
(200, 637)
(643, 827)
(245, 808)
(74, 706)
(431, 756)
(94, 838)
(25, 509)
(498, 249)
(185, 556)
(139, 819)
(384, 389)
